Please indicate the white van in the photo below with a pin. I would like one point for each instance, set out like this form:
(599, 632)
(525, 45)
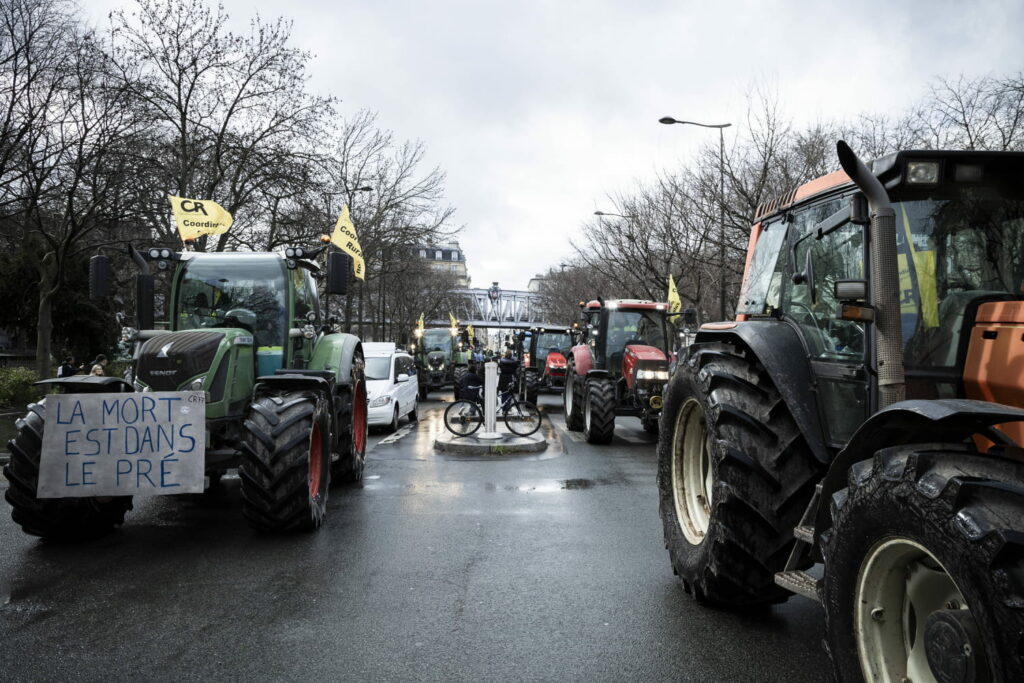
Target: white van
(391, 385)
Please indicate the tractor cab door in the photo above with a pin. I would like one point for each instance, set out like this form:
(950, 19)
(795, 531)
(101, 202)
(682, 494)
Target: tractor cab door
(837, 349)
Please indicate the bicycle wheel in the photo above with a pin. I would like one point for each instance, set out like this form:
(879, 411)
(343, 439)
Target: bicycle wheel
(522, 418)
(462, 418)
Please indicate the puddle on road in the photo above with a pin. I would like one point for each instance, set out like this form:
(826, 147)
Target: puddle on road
(573, 484)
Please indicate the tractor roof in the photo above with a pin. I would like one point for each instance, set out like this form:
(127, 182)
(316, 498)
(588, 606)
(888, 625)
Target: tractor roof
(890, 170)
(631, 304)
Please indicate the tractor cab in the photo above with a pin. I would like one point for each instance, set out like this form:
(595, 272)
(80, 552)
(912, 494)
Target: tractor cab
(543, 351)
(622, 359)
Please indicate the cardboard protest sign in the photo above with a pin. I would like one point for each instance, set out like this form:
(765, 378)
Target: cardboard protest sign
(142, 444)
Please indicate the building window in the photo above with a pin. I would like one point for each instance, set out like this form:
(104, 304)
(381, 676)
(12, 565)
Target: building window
(423, 253)
(438, 256)
(455, 256)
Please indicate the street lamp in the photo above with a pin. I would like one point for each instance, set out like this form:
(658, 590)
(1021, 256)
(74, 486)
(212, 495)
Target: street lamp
(617, 215)
(668, 120)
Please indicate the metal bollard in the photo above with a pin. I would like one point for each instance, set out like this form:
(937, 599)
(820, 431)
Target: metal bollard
(490, 401)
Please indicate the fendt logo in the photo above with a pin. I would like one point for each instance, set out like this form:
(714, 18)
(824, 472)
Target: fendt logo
(162, 353)
(190, 206)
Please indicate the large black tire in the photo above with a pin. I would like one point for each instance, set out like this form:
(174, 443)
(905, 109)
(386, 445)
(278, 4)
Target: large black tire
(967, 511)
(54, 519)
(458, 374)
(423, 391)
(349, 457)
(650, 424)
(572, 401)
(395, 419)
(286, 462)
(599, 411)
(531, 385)
(762, 476)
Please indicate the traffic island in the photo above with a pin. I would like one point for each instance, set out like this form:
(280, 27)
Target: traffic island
(505, 444)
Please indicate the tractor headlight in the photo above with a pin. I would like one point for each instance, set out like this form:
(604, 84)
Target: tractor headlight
(308, 331)
(654, 375)
(922, 172)
(129, 334)
(289, 252)
(380, 401)
(154, 253)
(197, 384)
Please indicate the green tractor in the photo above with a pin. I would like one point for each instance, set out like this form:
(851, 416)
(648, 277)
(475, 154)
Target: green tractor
(245, 335)
(442, 358)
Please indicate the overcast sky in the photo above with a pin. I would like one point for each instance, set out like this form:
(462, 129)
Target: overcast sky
(537, 109)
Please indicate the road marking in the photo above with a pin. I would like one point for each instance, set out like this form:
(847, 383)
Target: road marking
(404, 431)
(575, 436)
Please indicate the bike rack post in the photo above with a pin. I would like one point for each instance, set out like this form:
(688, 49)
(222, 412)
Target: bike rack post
(490, 402)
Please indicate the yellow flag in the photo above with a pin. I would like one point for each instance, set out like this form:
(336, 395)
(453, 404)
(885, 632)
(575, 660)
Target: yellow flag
(344, 237)
(469, 331)
(198, 217)
(419, 323)
(455, 323)
(675, 304)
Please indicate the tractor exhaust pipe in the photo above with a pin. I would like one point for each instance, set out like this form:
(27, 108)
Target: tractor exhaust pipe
(885, 279)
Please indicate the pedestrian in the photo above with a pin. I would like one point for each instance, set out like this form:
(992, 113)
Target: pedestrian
(98, 365)
(67, 368)
(471, 384)
(507, 368)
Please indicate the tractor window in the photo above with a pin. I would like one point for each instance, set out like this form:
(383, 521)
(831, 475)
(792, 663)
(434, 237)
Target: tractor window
(305, 294)
(437, 340)
(548, 341)
(957, 247)
(646, 327)
(761, 285)
(214, 288)
(838, 255)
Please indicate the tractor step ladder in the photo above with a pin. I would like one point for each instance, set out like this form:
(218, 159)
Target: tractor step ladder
(794, 578)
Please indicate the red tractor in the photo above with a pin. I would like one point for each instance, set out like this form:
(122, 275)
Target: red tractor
(620, 366)
(543, 352)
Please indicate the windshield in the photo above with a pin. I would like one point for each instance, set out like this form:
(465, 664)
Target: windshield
(645, 327)
(955, 248)
(548, 341)
(378, 368)
(437, 340)
(212, 286)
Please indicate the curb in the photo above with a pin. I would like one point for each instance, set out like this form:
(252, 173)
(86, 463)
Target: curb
(506, 445)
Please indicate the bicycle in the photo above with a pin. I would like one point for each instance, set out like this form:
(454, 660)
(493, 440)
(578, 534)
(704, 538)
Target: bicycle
(465, 416)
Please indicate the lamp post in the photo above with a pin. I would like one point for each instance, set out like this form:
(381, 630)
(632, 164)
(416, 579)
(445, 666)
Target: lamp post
(668, 120)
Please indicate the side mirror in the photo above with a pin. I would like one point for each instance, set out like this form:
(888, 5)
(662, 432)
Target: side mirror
(402, 378)
(145, 301)
(339, 266)
(689, 317)
(99, 277)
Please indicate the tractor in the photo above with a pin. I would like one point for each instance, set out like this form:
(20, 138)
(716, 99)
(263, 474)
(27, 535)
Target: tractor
(855, 435)
(442, 358)
(618, 367)
(284, 396)
(542, 351)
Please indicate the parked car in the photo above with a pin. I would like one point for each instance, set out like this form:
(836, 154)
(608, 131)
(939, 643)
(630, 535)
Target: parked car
(390, 384)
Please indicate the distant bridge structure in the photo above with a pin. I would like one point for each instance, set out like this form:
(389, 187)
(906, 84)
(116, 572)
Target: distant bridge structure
(495, 307)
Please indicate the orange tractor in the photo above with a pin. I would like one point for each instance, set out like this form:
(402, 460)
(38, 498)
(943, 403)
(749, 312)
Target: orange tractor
(854, 436)
(618, 367)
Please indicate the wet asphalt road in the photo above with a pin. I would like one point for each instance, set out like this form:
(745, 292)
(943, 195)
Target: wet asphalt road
(546, 567)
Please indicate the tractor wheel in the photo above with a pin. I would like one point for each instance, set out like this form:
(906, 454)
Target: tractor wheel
(924, 567)
(599, 411)
(55, 519)
(572, 401)
(531, 386)
(734, 478)
(458, 374)
(350, 452)
(285, 462)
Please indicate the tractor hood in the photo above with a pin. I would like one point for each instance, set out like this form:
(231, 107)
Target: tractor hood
(638, 357)
(167, 360)
(555, 361)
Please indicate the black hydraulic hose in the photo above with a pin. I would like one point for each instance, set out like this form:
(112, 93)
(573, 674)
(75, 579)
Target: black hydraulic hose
(885, 279)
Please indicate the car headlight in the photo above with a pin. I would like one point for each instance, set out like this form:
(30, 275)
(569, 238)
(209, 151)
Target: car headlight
(380, 401)
(660, 375)
(197, 384)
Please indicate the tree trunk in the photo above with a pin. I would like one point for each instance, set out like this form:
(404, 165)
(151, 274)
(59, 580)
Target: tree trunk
(44, 326)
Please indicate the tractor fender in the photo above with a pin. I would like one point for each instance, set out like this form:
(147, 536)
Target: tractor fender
(88, 384)
(598, 373)
(780, 350)
(917, 421)
(334, 353)
(582, 359)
